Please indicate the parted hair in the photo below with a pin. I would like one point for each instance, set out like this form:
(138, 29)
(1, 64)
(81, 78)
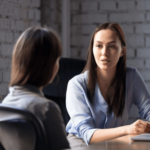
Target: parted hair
(116, 92)
(34, 56)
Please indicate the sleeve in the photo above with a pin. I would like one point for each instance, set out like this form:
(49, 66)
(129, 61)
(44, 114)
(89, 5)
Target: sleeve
(55, 128)
(141, 96)
(80, 114)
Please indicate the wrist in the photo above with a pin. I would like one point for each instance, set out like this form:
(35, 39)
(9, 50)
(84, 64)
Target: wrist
(125, 130)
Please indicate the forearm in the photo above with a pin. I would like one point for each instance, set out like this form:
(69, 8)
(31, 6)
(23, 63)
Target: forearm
(107, 134)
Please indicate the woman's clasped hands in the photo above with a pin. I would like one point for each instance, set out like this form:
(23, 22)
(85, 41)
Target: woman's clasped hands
(138, 127)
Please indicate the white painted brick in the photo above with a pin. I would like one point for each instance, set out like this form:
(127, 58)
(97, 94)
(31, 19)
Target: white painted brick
(16, 12)
(31, 14)
(136, 40)
(127, 28)
(1, 23)
(147, 3)
(10, 10)
(127, 17)
(25, 3)
(143, 53)
(147, 63)
(6, 23)
(147, 41)
(90, 18)
(148, 16)
(1, 9)
(6, 76)
(36, 3)
(80, 40)
(122, 5)
(75, 6)
(135, 63)
(139, 17)
(86, 41)
(83, 54)
(145, 75)
(76, 40)
(88, 29)
(24, 14)
(34, 23)
(107, 5)
(141, 5)
(16, 36)
(142, 28)
(37, 14)
(89, 6)
(75, 52)
(0, 76)
(130, 53)
(26, 24)
(7, 63)
(12, 24)
(126, 5)
(2, 63)
(2, 36)
(9, 37)
(6, 49)
(75, 29)
(19, 25)
(3, 89)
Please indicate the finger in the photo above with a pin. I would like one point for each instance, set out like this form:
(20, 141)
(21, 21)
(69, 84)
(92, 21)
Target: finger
(147, 129)
(142, 122)
(143, 126)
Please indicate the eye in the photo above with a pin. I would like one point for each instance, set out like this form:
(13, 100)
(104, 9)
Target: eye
(112, 46)
(99, 46)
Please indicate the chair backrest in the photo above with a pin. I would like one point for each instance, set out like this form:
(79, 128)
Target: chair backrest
(56, 91)
(21, 130)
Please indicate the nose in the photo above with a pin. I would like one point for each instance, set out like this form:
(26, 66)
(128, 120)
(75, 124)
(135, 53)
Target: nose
(104, 50)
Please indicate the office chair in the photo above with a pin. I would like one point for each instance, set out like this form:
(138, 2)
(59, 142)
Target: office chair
(56, 91)
(21, 130)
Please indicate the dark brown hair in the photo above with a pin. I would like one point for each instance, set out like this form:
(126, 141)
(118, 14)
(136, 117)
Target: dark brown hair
(34, 57)
(116, 91)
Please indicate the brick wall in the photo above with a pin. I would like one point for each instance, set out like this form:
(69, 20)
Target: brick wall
(51, 14)
(15, 17)
(134, 18)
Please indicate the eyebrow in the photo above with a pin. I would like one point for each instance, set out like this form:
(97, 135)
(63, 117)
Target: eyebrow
(108, 42)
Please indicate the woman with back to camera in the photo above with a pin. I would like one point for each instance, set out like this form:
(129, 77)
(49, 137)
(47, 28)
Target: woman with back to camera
(35, 62)
(99, 100)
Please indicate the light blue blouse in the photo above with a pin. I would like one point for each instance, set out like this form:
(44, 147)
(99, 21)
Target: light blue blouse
(86, 118)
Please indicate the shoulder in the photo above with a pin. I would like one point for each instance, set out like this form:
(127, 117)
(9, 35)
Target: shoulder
(81, 78)
(43, 102)
(132, 72)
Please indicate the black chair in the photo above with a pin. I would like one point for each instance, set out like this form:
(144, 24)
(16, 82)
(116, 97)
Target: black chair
(21, 130)
(56, 91)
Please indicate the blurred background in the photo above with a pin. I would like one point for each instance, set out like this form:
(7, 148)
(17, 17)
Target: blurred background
(74, 21)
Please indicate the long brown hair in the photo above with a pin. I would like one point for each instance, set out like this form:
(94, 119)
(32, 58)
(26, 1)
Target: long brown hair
(116, 91)
(34, 57)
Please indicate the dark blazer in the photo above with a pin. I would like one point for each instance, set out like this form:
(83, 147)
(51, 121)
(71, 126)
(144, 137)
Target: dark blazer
(31, 98)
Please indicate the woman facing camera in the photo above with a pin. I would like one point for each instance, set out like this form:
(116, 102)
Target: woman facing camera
(99, 100)
(35, 62)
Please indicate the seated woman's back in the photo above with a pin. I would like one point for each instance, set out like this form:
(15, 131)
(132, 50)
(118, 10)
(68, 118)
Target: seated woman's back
(35, 63)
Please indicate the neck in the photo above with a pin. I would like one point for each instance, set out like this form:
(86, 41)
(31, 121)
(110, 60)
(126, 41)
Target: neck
(105, 76)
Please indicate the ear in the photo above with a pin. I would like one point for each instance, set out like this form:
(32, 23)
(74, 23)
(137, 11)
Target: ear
(122, 51)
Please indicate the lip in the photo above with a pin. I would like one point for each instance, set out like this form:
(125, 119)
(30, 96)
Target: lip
(105, 60)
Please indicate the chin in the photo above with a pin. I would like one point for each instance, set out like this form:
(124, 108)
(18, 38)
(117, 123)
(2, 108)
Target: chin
(104, 67)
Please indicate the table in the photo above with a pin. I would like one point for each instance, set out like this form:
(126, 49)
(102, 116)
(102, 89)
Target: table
(122, 143)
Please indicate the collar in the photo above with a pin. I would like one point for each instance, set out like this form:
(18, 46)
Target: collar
(15, 90)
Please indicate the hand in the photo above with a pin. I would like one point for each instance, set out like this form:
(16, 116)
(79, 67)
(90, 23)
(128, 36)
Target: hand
(138, 127)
